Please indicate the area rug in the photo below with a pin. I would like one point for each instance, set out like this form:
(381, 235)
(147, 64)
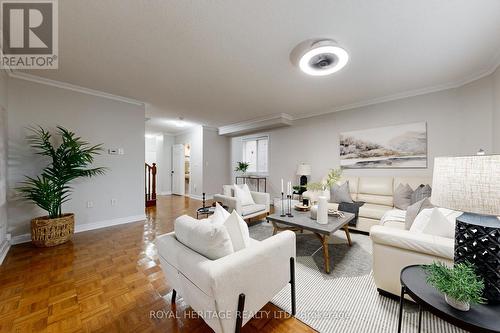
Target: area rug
(347, 299)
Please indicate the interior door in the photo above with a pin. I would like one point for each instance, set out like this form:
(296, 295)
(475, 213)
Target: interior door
(178, 169)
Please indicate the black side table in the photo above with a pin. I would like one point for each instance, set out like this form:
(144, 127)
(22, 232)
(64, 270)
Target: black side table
(480, 317)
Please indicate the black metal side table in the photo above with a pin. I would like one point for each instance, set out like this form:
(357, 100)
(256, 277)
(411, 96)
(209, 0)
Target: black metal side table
(480, 317)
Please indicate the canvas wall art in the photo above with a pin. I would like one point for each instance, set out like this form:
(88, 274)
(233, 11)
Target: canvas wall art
(401, 146)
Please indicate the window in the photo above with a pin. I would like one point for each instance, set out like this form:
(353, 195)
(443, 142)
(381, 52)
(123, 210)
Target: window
(255, 152)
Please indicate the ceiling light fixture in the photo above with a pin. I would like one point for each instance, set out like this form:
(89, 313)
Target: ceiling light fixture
(319, 57)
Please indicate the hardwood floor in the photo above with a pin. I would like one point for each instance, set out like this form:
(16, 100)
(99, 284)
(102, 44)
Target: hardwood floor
(106, 280)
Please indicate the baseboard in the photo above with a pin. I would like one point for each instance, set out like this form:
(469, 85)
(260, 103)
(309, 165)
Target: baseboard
(200, 198)
(4, 249)
(165, 193)
(86, 227)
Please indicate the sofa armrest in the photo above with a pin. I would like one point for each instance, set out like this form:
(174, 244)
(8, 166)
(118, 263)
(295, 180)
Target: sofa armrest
(231, 202)
(261, 198)
(248, 272)
(412, 241)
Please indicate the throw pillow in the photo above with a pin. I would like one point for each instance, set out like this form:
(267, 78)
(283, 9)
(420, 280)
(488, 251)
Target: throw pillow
(242, 193)
(413, 210)
(402, 196)
(340, 193)
(421, 220)
(238, 231)
(220, 215)
(211, 240)
(421, 192)
(439, 225)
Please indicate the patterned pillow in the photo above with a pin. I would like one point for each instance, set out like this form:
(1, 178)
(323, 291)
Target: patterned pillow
(421, 192)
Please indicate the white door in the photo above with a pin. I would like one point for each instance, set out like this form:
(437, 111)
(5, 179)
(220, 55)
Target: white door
(178, 177)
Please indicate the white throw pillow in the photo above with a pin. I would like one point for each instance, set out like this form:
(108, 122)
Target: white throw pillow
(421, 220)
(242, 193)
(238, 231)
(211, 240)
(439, 225)
(436, 221)
(220, 215)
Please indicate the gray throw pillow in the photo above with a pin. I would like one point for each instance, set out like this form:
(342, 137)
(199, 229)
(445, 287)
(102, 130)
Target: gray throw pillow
(402, 196)
(413, 210)
(340, 193)
(421, 192)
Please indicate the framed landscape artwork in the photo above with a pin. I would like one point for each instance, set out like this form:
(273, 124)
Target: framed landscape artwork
(400, 146)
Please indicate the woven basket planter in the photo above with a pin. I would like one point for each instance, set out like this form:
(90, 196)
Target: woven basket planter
(46, 232)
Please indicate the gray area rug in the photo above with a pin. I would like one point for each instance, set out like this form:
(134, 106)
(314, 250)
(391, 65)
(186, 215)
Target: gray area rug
(347, 299)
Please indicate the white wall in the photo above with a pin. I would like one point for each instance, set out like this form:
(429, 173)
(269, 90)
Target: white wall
(458, 122)
(194, 137)
(216, 161)
(98, 120)
(496, 113)
(4, 244)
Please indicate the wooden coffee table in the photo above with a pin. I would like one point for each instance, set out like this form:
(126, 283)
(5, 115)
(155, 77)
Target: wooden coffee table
(302, 221)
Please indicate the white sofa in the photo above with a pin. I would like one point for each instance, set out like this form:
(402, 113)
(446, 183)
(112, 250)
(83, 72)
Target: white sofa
(395, 248)
(239, 283)
(262, 203)
(376, 192)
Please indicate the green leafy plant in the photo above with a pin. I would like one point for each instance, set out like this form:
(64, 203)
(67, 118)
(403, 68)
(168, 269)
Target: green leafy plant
(242, 166)
(459, 282)
(331, 178)
(68, 161)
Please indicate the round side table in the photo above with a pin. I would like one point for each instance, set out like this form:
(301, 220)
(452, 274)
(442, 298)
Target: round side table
(480, 317)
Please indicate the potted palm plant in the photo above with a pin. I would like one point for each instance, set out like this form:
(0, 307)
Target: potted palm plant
(242, 167)
(51, 189)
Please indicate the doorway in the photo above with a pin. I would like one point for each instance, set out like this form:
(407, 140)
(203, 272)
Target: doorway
(187, 168)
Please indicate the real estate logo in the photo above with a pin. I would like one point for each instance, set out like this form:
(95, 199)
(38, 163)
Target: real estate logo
(29, 34)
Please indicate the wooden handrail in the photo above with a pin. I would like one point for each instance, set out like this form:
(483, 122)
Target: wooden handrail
(150, 184)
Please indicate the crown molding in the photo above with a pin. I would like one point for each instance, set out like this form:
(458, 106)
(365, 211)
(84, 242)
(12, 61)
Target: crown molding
(488, 70)
(258, 124)
(72, 87)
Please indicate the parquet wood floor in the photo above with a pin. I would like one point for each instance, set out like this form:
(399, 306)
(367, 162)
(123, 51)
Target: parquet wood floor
(106, 280)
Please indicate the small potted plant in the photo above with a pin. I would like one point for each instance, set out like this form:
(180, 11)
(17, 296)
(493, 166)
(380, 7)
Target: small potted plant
(242, 167)
(459, 284)
(319, 188)
(66, 162)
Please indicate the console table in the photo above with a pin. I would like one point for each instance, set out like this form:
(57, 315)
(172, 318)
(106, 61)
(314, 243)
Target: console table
(257, 178)
(480, 317)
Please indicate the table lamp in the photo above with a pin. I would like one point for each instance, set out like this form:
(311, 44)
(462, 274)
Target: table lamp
(303, 170)
(471, 184)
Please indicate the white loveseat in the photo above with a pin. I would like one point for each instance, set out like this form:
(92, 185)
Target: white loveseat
(239, 283)
(376, 192)
(262, 202)
(395, 248)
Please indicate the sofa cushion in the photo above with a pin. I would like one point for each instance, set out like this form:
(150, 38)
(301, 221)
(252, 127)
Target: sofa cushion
(238, 231)
(250, 209)
(242, 193)
(421, 192)
(211, 240)
(373, 211)
(340, 193)
(402, 196)
(413, 210)
(376, 199)
(220, 215)
(375, 185)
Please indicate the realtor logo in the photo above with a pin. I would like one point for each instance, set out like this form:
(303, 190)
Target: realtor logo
(29, 34)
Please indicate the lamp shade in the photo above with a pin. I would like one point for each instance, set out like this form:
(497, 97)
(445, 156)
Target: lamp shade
(304, 170)
(468, 184)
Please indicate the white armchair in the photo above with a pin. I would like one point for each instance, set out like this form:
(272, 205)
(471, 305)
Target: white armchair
(261, 207)
(234, 285)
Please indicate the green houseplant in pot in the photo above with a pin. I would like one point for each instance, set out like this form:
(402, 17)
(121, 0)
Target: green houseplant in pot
(69, 160)
(459, 284)
(242, 167)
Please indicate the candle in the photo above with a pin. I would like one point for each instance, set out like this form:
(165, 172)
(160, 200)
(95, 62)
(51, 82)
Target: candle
(282, 191)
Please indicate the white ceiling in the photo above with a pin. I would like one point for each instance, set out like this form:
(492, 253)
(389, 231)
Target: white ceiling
(220, 62)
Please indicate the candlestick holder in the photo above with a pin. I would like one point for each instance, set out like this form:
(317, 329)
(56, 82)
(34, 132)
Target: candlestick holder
(289, 214)
(282, 206)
